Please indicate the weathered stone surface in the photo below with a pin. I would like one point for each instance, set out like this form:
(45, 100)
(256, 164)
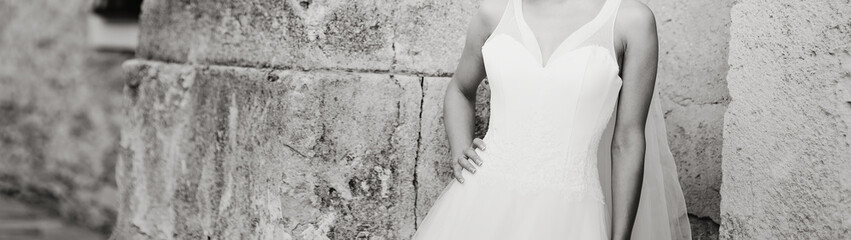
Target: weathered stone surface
(434, 169)
(430, 35)
(695, 137)
(413, 36)
(244, 153)
(703, 228)
(693, 42)
(59, 105)
(290, 34)
(787, 142)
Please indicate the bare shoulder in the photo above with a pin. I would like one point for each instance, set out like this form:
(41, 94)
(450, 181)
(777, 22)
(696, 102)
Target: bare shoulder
(635, 19)
(492, 10)
(488, 15)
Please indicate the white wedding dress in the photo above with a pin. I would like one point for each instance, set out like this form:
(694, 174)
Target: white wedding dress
(547, 166)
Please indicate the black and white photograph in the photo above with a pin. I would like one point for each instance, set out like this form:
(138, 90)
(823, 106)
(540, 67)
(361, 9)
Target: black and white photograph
(425, 119)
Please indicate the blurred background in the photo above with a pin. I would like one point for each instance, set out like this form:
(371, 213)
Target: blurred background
(60, 113)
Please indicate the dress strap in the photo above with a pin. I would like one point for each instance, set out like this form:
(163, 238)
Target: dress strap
(526, 34)
(500, 26)
(595, 25)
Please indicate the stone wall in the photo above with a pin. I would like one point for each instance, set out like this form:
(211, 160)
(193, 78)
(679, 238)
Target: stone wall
(245, 153)
(315, 119)
(786, 133)
(59, 112)
(693, 40)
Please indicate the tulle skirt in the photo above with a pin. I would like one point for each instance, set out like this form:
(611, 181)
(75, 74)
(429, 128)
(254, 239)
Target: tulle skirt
(484, 208)
(493, 207)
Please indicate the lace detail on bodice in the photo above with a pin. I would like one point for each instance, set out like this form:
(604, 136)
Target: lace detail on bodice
(540, 164)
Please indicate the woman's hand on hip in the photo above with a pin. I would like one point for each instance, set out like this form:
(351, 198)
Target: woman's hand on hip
(467, 158)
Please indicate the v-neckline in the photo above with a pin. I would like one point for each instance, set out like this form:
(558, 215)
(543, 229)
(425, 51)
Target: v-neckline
(544, 63)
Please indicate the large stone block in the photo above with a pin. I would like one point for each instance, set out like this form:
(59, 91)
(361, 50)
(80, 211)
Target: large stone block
(693, 42)
(59, 105)
(695, 137)
(292, 33)
(787, 131)
(377, 35)
(244, 153)
(434, 169)
(430, 35)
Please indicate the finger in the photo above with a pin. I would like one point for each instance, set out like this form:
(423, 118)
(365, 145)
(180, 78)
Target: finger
(456, 171)
(466, 164)
(473, 156)
(479, 143)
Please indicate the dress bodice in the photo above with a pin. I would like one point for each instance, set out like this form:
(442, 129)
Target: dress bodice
(551, 113)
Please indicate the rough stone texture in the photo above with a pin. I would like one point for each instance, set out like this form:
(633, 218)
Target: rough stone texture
(693, 42)
(430, 35)
(246, 153)
(59, 119)
(703, 229)
(287, 34)
(434, 169)
(379, 35)
(786, 132)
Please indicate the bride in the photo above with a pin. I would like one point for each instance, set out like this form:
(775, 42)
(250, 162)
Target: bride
(576, 146)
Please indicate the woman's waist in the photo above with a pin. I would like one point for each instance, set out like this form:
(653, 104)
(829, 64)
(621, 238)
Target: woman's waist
(544, 165)
(540, 149)
(533, 174)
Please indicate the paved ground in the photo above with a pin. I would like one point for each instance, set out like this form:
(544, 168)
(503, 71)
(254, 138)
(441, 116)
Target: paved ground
(22, 222)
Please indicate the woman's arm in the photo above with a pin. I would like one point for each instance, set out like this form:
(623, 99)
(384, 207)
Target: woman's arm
(459, 102)
(637, 27)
